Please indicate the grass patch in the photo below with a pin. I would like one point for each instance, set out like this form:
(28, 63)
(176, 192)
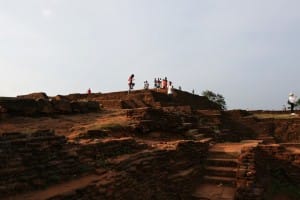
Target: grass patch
(275, 116)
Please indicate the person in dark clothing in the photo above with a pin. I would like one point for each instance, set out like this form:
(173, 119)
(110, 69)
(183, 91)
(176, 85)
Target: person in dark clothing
(130, 81)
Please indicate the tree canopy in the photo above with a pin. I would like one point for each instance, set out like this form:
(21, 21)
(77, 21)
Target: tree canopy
(216, 98)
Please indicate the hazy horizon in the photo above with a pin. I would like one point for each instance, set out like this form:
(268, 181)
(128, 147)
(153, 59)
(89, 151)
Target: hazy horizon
(245, 50)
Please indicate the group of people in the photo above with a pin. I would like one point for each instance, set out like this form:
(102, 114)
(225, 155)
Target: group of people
(158, 83)
(165, 84)
(161, 83)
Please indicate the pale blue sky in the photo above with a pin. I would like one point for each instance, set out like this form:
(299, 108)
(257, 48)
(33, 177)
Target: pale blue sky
(246, 50)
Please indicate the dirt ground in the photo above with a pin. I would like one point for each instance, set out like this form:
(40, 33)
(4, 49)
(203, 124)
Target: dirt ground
(67, 125)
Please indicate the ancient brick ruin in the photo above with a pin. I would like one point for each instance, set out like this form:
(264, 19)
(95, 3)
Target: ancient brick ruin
(144, 145)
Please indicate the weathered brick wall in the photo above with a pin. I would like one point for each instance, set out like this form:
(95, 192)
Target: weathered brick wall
(275, 164)
(34, 161)
(95, 153)
(247, 187)
(276, 156)
(35, 107)
(287, 130)
(41, 159)
(157, 174)
(163, 119)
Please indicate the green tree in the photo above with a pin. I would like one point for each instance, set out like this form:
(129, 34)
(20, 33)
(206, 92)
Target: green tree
(217, 98)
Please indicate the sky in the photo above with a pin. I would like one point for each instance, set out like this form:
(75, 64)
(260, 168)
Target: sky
(246, 50)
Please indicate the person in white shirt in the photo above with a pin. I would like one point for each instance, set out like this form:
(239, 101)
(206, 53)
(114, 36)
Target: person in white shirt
(170, 88)
(292, 101)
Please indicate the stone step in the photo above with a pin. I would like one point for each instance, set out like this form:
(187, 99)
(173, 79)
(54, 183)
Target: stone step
(222, 162)
(223, 155)
(221, 171)
(220, 180)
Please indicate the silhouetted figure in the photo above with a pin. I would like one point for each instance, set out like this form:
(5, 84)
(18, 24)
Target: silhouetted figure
(146, 85)
(292, 101)
(155, 83)
(89, 91)
(130, 82)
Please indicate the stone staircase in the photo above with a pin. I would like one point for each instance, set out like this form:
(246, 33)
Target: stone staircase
(221, 167)
(221, 171)
(219, 181)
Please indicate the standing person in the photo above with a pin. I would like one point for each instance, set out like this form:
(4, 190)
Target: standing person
(155, 83)
(170, 89)
(130, 82)
(164, 83)
(89, 91)
(146, 85)
(158, 83)
(292, 101)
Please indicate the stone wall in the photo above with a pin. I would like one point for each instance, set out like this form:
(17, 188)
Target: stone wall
(278, 170)
(145, 98)
(162, 119)
(35, 107)
(168, 173)
(41, 159)
(96, 152)
(287, 130)
(247, 187)
(34, 161)
(266, 171)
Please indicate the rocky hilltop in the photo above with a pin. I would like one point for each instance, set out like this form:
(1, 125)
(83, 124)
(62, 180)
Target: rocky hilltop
(144, 145)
